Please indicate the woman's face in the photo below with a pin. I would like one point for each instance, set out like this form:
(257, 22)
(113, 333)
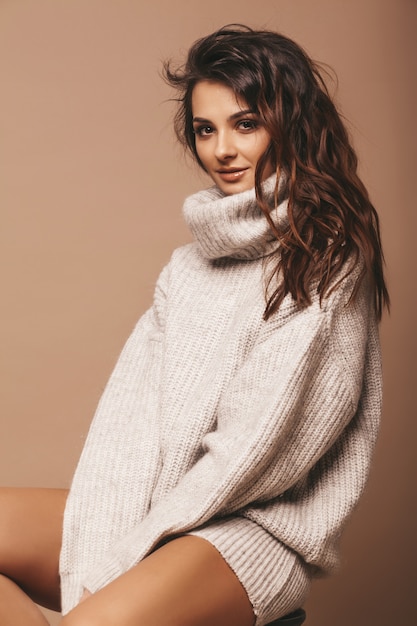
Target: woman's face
(229, 137)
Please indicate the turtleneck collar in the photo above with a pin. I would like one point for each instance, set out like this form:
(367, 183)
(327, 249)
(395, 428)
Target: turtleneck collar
(234, 226)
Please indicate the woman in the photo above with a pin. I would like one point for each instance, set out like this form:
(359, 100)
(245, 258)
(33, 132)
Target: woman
(235, 434)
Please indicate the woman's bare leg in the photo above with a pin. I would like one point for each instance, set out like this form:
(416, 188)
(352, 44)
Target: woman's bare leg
(184, 583)
(16, 607)
(30, 542)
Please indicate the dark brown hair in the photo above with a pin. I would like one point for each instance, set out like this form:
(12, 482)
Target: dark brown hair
(332, 224)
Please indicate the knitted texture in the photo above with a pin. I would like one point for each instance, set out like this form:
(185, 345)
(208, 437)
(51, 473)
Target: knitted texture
(256, 435)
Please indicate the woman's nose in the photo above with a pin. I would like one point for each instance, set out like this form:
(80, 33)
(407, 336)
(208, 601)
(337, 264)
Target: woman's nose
(225, 146)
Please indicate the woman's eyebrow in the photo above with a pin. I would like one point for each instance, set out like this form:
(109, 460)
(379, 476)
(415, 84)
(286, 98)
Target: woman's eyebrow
(240, 113)
(203, 120)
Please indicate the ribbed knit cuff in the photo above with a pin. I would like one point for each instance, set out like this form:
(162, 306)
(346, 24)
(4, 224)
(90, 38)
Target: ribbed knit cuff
(102, 576)
(273, 576)
(73, 591)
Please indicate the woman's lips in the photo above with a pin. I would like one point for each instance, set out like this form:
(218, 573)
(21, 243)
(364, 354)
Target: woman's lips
(231, 175)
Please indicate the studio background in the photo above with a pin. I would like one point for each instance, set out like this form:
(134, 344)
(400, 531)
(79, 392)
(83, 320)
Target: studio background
(91, 189)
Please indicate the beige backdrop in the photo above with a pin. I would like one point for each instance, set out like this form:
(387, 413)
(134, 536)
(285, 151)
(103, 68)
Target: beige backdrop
(91, 190)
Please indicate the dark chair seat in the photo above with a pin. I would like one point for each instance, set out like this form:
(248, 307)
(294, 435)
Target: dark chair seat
(292, 619)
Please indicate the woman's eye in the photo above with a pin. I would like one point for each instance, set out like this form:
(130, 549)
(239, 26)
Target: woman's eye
(203, 131)
(247, 124)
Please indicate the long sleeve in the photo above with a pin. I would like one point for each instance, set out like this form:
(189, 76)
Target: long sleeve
(115, 440)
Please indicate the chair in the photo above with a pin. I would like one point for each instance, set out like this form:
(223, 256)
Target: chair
(292, 619)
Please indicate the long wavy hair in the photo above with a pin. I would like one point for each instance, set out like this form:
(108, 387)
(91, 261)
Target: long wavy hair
(332, 224)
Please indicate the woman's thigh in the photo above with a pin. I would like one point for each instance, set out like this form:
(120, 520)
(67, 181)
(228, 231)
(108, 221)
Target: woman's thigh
(184, 583)
(30, 540)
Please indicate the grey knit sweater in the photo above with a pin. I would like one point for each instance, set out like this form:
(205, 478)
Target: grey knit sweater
(256, 435)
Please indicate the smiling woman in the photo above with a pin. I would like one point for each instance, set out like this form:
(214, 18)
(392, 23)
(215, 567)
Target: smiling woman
(235, 435)
(229, 137)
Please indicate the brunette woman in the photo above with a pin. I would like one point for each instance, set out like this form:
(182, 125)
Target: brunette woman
(235, 435)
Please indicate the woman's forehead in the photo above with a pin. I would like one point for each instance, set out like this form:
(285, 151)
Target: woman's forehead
(214, 98)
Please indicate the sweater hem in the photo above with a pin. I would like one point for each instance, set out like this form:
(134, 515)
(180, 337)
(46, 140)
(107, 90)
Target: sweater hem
(275, 589)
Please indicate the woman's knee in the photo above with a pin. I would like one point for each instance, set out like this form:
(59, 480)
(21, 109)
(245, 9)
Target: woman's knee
(12, 520)
(30, 523)
(30, 540)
